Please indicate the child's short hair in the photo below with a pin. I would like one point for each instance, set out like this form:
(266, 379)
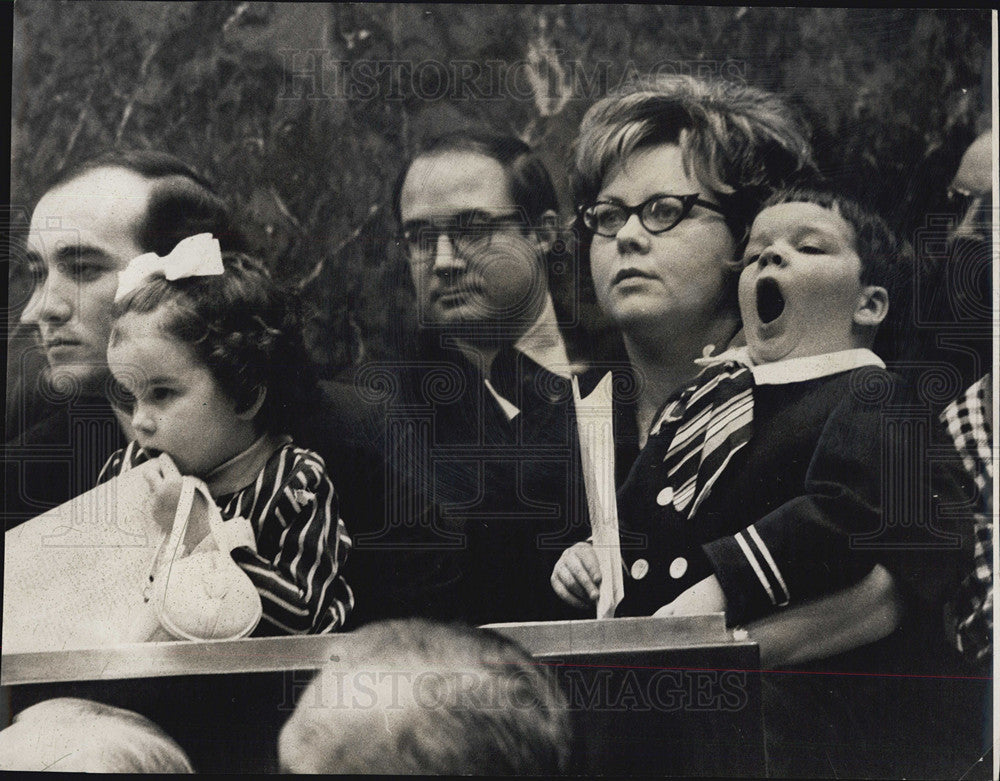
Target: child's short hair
(245, 328)
(881, 252)
(886, 261)
(74, 735)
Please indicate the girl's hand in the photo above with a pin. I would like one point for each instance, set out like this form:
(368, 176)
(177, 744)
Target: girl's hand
(705, 596)
(164, 481)
(576, 578)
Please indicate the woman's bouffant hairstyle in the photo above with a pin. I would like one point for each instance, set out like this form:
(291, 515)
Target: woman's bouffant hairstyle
(246, 329)
(741, 142)
(81, 736)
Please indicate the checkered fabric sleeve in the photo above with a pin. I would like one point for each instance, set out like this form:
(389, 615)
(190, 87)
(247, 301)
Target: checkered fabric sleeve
(972, 608)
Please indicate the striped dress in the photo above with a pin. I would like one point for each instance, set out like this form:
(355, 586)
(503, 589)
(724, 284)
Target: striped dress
(301, 540)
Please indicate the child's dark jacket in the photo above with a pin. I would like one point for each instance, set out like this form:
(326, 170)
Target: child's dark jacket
(841, 470)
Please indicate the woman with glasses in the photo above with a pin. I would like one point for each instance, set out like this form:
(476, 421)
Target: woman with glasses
(668, 176)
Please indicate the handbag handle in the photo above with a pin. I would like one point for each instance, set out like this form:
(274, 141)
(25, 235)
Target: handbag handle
(225, 539)
(147, 620)
(171, 545)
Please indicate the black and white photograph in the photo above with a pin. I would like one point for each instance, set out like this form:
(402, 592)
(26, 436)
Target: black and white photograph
(486, 389)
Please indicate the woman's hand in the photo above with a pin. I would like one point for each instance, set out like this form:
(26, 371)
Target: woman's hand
(705, 596)
(831, 624)
(576, 578)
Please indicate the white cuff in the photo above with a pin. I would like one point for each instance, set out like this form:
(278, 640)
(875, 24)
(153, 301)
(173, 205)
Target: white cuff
(236, 533)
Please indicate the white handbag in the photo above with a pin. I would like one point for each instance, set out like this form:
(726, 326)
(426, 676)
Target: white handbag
(204, 595)
(98, 571)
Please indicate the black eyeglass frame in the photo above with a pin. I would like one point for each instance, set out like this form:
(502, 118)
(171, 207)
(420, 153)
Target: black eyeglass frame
(688, 202)
(465, 229)
(963, 199)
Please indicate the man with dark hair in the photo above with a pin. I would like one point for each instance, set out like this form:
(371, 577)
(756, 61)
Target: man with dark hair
(418, 697)
(480, 438)
(478, 214)
(91, 221)
(528, 180)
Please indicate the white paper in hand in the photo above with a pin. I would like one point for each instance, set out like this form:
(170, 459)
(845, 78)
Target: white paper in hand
(595, 426)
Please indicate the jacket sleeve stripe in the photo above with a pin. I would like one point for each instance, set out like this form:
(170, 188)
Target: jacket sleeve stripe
(755, 566)
(755, 535)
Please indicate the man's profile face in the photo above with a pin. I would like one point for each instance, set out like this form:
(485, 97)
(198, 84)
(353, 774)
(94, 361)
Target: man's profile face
(472, 259)
(83, 232)
(973, 187)
(971, 246)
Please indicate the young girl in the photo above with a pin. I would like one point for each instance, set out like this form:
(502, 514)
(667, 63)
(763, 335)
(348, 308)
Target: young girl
(208, 349)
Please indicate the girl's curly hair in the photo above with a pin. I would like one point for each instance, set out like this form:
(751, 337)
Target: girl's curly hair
(247, 330)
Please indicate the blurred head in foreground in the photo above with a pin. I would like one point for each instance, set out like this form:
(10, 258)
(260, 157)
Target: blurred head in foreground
(418, 697)
(80, 736)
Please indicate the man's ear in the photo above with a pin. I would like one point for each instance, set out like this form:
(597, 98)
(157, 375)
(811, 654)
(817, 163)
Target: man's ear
(251, 411)
(872, 307)
(547, 230)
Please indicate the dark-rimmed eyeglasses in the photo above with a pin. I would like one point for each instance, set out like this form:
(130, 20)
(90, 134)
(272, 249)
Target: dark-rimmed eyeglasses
(962, 199)
(658, 213)
(467, 231)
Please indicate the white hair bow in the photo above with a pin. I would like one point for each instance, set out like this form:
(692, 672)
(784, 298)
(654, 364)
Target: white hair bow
(195, 256)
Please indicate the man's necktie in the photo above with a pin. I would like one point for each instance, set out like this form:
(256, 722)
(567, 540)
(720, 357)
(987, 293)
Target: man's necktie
(709, 422)
(507, 375)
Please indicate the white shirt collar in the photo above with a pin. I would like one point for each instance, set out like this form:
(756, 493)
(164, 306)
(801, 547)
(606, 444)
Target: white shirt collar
(809, 367)
(510, 409)
(242, 469)
(543, 342)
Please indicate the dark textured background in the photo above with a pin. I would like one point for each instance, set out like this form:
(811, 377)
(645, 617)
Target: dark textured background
(892, 97)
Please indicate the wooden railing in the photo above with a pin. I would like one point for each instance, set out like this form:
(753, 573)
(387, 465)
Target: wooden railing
(676, 696)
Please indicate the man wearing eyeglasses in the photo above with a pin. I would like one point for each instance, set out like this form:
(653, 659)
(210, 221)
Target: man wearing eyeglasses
(955, 296)
(478, 217)
(481, 432)
(969, 417)
(972, 189)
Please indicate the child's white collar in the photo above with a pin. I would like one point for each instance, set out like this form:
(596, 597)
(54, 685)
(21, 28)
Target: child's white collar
(242, 469)
(809, 367)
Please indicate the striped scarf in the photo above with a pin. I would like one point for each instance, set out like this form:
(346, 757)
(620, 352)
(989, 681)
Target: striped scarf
(709, 421)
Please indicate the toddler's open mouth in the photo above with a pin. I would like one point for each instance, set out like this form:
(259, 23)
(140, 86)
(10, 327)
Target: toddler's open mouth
(770, 300)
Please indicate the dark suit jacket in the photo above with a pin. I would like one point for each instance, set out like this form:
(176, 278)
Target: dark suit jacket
(466, 512)
(59, 457)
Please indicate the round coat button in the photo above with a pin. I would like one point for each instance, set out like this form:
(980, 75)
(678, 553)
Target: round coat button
(678, 567)
(639, 569)
(665, 497)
